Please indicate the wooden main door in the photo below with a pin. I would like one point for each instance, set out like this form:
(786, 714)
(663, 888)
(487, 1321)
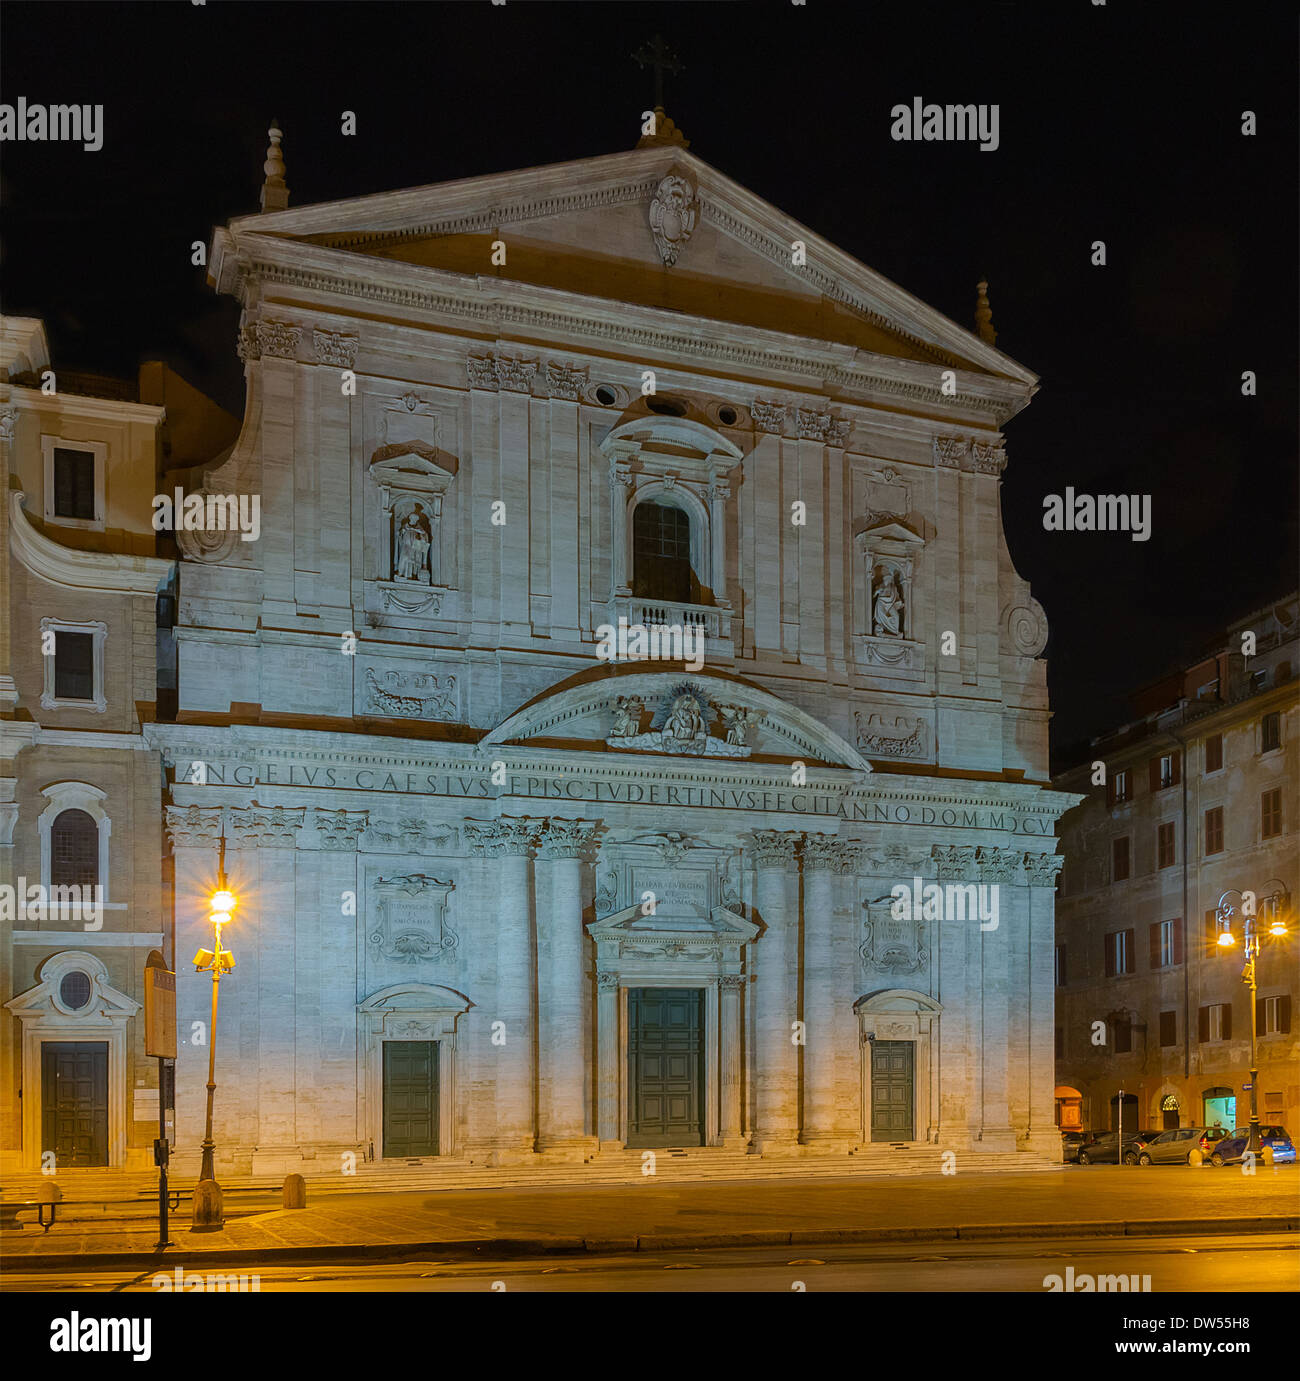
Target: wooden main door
(665, 1046)
(893, 1090)
(74, 1102)
(410, 1099)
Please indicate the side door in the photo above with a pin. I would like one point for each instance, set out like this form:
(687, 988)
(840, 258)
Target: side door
(1164, 1148)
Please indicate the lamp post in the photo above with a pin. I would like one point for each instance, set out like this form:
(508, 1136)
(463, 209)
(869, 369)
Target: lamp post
(207, 1194)
(1246, 906)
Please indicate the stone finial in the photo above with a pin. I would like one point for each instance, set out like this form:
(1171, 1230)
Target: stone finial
(666, 132)
(984, 313)
(275, 195)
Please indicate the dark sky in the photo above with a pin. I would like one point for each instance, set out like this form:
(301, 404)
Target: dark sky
(1118, 122)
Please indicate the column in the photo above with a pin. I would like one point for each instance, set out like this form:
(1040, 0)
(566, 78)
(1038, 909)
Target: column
(565, 385)
(997, 868)
(608, 1124)
(509, 842)
(260, 867)
(1040, 874)
(767, 532)
(823, 857)
(562, 1012)
(516, 378)
(14, 737)
(811, 461)
(775, 996)
(958, 1055)
(195, 834)
(620, 495)
(730, 987)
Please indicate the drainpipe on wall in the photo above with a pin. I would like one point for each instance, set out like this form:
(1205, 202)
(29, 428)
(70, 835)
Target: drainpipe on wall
(1184, 772)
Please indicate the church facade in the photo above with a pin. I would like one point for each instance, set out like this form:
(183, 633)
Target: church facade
(627, 729)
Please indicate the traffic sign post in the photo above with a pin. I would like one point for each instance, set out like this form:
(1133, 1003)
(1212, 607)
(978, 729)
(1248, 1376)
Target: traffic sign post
(160, 1042)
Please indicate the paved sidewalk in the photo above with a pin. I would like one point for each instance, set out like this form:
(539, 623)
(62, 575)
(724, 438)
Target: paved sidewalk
(1099, 1200)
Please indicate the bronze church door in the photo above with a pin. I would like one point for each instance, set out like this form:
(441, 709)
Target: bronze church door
(74, 1102)
(893, 1090)
(665, 1066)
(410, 1099)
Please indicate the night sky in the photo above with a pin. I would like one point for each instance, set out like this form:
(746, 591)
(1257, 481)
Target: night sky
(1114, 125)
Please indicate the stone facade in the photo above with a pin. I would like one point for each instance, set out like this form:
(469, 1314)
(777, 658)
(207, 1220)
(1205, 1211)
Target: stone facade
(1212, 760)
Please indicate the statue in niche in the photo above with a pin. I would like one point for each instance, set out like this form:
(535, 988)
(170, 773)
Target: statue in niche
(887, 606)
(414, 538)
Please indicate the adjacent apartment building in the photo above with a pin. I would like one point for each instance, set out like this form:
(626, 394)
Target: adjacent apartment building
(1198, 800)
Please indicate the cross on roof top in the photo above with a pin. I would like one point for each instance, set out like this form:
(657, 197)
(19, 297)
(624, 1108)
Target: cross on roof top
(658, 55)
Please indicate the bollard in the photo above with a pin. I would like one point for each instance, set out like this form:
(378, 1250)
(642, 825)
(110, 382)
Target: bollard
(295, 1191)
(208, 1215)
(1195, 1156)
(1266, 1154)
(49, 1193)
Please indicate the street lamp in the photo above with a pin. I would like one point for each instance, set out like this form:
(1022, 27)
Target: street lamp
(220, 961)
(1273, 902)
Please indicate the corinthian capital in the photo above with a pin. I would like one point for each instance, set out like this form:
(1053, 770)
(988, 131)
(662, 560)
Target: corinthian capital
(194, 827)
(511, 834)
(568, 838)
(1041, 869)
(822, 853)
(265, 827)
(774, 848)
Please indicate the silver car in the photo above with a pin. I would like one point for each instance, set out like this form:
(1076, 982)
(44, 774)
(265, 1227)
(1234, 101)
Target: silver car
(1173, 1147)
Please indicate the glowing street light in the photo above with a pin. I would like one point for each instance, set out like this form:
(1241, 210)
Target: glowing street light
(218, 960)
(1273, 902)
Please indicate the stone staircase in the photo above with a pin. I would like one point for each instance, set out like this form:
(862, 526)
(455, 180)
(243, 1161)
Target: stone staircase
(84, 1187)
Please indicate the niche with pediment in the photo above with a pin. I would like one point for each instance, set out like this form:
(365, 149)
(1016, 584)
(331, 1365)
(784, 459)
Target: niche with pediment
(884, 608)
(411, 491)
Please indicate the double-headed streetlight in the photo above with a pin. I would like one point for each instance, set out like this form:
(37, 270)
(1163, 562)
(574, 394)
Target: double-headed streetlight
(220, 961)
(1253, 911)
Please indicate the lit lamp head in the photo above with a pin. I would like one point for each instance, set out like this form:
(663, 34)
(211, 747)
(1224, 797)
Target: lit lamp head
(203, 960)
(1277, 928)
(1227, 939)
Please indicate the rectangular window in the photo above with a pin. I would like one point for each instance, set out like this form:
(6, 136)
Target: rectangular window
(1214, 753)
(1061, 970)
(1166, 944)
(1119, 861)
(1168, 1028)
(1214, 830)
(1212, 947)
(1270, 732)
(1163, 771)
(1270, 813)
(74, 665)
(1119, 953)
(1273, 1015)
(1122, 1034)
(1123, 786)
(1214, 1023)
(74, 483)
(1165, 845)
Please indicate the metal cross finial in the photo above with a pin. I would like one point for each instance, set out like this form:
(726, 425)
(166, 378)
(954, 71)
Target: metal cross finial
(658, 55)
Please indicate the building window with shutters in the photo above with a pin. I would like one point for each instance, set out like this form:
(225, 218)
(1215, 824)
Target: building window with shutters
(1168, 1028)
(1119, 953)
(1211, 935)
(1166, 944)
(1270, 732)
(1214, 1023)
(1214, 830)
(1121, 1034)
(74, 482)
(1123, 786)
(1119, 859)
(1270, 813)
(1273, 1015)
(73, 663)
(1164, 771)
(1214, 753)
(1165, 845)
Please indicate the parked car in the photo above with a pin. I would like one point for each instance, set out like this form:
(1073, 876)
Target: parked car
(1232, 1148)
(1071, 1142)
(1210, 1138)
(1173, 1147)
(1103, 1149)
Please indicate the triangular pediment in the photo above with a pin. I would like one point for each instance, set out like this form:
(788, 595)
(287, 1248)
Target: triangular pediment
(412, 465)
(655, 227)
(723, 926)
(632, 712)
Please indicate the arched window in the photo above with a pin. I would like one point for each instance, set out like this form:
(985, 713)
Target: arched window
(74, 850)
(661, 554)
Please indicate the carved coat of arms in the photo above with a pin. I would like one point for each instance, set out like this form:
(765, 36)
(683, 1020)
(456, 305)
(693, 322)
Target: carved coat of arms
(673, 213)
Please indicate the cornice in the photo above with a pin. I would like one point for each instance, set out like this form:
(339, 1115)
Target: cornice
(83, 405)
(497, 305)
(81, 570)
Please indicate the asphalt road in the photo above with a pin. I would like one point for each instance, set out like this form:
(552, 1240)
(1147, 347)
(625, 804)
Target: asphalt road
(1176, 1264)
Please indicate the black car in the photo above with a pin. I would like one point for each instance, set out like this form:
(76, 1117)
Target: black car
(1104, 1148)
(1071, 1142)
